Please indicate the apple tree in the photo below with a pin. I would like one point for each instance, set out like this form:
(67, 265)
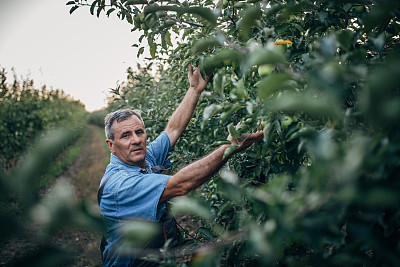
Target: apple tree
(320, 78)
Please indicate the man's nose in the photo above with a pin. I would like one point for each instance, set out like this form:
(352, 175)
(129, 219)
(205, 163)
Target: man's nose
(135, 139)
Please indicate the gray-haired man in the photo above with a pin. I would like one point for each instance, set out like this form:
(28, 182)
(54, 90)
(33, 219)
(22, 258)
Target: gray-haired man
(133, 189)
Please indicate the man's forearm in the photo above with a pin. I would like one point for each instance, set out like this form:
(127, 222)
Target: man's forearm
(182, 115)
(194, 174)
(198, 172)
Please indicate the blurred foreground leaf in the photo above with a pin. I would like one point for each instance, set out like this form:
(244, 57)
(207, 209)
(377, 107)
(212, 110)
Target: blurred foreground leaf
(189, 206)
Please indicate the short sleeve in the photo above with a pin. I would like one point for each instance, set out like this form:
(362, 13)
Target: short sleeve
(138, 196)
(159, 148)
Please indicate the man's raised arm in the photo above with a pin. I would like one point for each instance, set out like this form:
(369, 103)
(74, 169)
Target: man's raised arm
(184, 112)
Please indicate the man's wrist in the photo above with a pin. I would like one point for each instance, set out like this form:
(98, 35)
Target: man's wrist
(195, 90)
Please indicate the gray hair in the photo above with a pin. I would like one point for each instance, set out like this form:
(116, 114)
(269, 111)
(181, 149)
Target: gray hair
(119, 115)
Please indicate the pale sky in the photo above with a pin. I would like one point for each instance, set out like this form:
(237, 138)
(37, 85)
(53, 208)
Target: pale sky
(81, 54)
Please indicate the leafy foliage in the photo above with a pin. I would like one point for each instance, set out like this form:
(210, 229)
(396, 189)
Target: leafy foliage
(97, 117)
(26, 112)
(47, 215)
(32, 144)
(321, 79)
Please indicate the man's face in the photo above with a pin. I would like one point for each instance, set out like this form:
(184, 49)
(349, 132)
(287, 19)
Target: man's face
(129, 143)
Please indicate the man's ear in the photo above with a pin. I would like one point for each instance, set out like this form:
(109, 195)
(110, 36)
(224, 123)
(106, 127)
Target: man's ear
(110, 145)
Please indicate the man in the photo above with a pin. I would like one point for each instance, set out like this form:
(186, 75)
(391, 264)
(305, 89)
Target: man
(132, 187)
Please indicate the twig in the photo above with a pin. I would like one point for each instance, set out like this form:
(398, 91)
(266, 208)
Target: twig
(180, 251)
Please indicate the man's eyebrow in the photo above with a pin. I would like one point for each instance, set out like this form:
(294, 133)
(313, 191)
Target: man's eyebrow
(126, 132)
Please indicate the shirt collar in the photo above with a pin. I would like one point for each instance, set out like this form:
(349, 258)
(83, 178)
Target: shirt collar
(117, 161)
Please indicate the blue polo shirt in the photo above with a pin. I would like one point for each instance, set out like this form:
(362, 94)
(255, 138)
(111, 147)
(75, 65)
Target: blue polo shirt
(132, 192)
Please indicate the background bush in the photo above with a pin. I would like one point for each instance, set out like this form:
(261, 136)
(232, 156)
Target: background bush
(97, 117)
(26, 112)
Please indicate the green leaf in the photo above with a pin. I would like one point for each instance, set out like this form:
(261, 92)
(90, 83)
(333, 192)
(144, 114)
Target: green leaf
(224, 57)
(379, 42)
(249, 108)
(92, 6)
(219, 82)
(206, 233)
(274, 9)
(99, 9)
(273, 83)
(303, 132)
(129, 18)
(189, 206)
(229, 177)
(231, 191)
(269, 54)
(163, 41)
(239, 91)
(205, 13)
(168, 38)
(230, 150)
(58, 201)
(110, 11)
(27, 176)
(210, 111)
(168, 23)
(228, 113)
(267, 133)
(291, 9)
(140, 51)
(345, 39)
(139, 232)
(233, 132)
(321, 106)
(153, 50)
(70, 3)
(204, 44)
(73, 9)
(150, 39)
(249, 17)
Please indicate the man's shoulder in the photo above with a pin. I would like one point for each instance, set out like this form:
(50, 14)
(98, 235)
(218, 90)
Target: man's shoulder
(158, 149)
(118, 176)
(161, 140)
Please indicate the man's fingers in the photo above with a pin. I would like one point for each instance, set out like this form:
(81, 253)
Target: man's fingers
(207, 78)
(257, 135)
(190, 69)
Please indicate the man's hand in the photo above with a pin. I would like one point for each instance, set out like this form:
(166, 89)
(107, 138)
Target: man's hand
(246, 140)
(196, 81)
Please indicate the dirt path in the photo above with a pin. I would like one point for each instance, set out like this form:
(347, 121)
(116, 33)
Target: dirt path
(85, 174)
